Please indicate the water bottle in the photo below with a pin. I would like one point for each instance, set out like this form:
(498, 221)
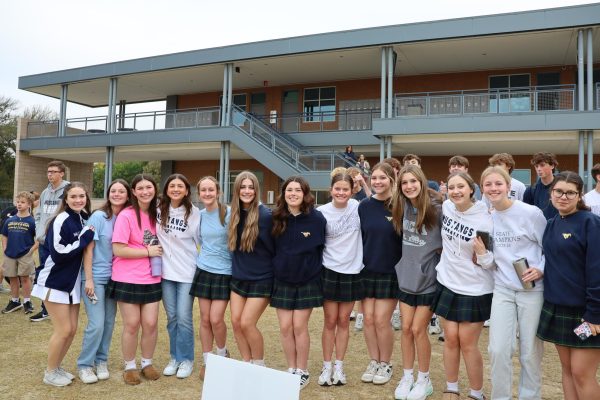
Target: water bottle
(156, 265)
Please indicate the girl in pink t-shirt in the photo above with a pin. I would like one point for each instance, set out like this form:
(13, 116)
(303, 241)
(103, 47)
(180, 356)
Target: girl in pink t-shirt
(134, 287)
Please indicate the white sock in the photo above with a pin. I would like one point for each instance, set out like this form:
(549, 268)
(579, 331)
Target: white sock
(260, 363)
(452, 386)
(292, 370)
(205, 356)
(327, 364)
(130, 365)
(339, 364)
(301, 371)
(222, 352)
(422, 376)
(477, 393)
(15, 299)
(409, 374)
(146, 362)
(26, 299)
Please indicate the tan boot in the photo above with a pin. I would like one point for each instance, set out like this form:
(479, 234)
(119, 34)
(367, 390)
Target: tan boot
(131, 377)
(150, 373)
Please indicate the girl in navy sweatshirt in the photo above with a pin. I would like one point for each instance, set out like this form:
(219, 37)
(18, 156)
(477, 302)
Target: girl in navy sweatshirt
(299, 232)
(572, 287)
(59, 281)
(250, 240)
(382, 249)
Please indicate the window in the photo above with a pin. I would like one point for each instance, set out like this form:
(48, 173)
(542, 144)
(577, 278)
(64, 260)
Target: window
(510, 93)
(319, 104)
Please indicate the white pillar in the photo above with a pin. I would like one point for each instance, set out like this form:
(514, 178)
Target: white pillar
(580, 94)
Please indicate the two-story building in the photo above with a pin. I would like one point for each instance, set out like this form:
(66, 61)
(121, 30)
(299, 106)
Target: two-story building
(518, 83)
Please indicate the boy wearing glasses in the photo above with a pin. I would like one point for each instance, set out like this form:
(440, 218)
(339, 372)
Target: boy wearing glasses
(538, 194)
(49, 201)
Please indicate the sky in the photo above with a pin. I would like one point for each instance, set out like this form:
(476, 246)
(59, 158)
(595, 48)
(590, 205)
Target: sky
(40, 36)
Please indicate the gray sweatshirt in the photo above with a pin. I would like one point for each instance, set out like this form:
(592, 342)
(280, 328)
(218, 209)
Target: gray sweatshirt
(420, 254)
(49, 202)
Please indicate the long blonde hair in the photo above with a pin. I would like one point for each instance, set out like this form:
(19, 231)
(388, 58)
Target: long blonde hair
(250, 230)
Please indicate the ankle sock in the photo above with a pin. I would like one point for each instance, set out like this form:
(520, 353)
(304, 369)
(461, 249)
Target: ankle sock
(15, 300)
(477, 393)
(327, 364)
(26, 299)
(130, 365)
(146, 362)
(422, 376)
(409, 373)
(339, 364)
(260, 363)
(452, 386)
(222, 352)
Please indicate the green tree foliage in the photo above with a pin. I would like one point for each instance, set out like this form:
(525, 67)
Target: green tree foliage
(124, 170)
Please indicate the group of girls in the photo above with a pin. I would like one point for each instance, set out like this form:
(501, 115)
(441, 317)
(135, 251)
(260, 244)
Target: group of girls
(402, 243)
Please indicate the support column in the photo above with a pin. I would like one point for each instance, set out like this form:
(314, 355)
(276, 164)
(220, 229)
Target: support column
(390, 81)
(580, 94)
(226, 193)
(222, 168)
(581, 154)
(590, 71)
(382, 148)
(383, 82)
(111, 120)
(590, 160)
(62, 119)
(389, 147)
(229, 94)
(224, 96)
(121, 122)
(108, 168)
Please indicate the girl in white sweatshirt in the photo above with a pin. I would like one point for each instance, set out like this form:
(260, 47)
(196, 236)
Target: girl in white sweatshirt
(464, 295)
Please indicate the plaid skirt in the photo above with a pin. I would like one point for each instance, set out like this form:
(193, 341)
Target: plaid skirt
(134, 293)
(341, 287)
(415, 300)
(557, 324)
(380, 285)
(461, 308)
(208, 285)
(297, 297)
(262, 288)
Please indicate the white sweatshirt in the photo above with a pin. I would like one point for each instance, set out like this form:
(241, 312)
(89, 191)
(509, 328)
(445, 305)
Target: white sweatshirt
(456, 269)
(180, 244)
(518, 232)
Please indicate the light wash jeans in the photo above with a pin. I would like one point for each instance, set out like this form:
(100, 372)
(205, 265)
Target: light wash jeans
(512, 310)
(180, 323)
(99, 330)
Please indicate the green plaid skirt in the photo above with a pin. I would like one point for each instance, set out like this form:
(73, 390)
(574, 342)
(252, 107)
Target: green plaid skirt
(341, 287)
(461, 308)
(262, 288)
(208, 285)
(380, 285)
(134, 293)
(297, 297)
(557, 324)
(415, 300)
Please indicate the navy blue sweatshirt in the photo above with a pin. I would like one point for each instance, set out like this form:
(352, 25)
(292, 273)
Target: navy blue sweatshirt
(382, 246)
(539, 195)
(258, 264)
(572, 272)
(299, 249)
(66, 239)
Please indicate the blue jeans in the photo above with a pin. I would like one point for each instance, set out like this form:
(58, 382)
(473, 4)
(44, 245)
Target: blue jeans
(99, 330)
(180, 323)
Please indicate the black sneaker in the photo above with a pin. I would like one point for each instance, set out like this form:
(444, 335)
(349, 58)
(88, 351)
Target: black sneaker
(41, 316)
(12, 306)
(28, 307)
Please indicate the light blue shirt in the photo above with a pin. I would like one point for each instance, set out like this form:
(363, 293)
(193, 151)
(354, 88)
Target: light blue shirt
(103, 254)
(214, 256)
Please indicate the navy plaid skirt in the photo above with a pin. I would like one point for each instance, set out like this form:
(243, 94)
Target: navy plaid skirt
(262, 288)
(134, 293)
(341, 287)
(210, 286)
(297, 297)
(379, 285)
(415, 300)
(461, 308)
(557, 324)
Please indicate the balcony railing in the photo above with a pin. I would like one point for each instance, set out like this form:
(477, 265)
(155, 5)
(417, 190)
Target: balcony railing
(597, 95)
(350, 120)
(495, 101)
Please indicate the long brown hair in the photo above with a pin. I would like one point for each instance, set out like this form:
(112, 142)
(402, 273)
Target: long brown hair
(221, 207)
(153, 203)
(388, 170)
(281, 211)
(250, 230)
(426, 201)
(107, 206)
(575, 179)
(165, 200)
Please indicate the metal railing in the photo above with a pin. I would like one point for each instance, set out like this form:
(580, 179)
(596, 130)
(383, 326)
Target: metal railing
(323, 121)
(494, 101)
(597, 95)
(295, 156)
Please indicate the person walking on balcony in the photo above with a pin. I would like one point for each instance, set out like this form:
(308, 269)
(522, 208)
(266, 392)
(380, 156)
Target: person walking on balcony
(350, 157)
(250, 240)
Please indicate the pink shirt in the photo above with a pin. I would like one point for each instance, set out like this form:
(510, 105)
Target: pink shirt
(127, 231)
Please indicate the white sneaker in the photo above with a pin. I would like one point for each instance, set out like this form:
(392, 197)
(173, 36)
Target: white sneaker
(404, 387)
(384, 374)
(304, 377)
(396, 320)
(55, 378)
(352, 315)
(358, 324)
(185, 369)
(65, 373)
(370, 372)
(171, 368)
(325, 377)
(87, 375)
(434, 326)
(421, 390)
(102, 371)
(486, 323)
(339, 377)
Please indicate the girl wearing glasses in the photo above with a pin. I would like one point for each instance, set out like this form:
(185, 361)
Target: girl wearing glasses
(518, 230)
(572, 287)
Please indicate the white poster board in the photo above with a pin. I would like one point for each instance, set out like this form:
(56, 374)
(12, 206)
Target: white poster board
(228, 379)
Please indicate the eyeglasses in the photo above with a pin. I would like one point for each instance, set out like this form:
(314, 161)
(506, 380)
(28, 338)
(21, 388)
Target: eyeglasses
(53, 172)
(558, 193)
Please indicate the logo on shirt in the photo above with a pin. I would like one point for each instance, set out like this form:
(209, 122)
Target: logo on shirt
(566, 235)
(389, 219)
(306, 234)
